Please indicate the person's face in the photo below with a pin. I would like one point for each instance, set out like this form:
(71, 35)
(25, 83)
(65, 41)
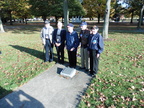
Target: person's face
(70, 29)
(59, 25)
(84, 27)
(47, 25)
(94, 31)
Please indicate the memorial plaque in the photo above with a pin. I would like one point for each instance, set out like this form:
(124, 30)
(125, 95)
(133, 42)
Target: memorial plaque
(68, 72)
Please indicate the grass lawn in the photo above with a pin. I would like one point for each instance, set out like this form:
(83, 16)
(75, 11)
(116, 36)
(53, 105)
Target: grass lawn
(119, 83)
(21, 58)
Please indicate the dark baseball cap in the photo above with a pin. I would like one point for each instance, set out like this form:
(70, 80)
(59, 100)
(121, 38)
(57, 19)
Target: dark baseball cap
(83, 23)
(70, 25)
(95, 27)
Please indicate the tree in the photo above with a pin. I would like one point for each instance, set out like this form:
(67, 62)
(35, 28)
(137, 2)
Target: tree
(1, 26)
(66, 13)
(23, 10)
(94, 8)
(15, 9)
(8, 7)
(75, 8)
(55, 8)
(41, 8)
(140, 18)
(106, 20)
(132, 8)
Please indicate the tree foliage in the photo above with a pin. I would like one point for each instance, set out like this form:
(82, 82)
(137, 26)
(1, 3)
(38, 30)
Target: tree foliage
(15, 9)
(94, 8)
(136, 8)
(75, 8)
(55, 8)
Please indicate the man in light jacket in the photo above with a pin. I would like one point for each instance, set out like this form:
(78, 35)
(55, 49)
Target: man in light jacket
(46, 36)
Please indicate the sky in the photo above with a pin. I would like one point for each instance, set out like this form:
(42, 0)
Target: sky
(123, 3)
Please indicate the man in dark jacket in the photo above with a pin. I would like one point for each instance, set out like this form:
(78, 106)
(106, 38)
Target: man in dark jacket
(84, 35)
(96, 47)
(59, 36)
(72, 42)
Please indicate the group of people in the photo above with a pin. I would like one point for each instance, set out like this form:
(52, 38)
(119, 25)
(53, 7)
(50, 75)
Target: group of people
(90, 42)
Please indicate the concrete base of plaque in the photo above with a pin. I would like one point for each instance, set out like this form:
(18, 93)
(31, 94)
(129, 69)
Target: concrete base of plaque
(68, 72)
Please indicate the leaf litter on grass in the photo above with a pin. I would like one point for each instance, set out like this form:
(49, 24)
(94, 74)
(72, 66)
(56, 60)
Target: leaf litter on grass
(121, 70)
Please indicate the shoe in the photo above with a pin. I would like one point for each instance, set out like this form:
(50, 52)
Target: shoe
(81, 68)
(93, 75)
(46, 61)
(73, 67)
(62, 62)
(87, 70)
(50, 60)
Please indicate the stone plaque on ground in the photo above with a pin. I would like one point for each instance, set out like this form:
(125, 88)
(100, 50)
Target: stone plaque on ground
(68, 72)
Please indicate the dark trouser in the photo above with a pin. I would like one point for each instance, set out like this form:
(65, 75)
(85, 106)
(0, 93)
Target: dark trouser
(94, 62)
(49, 51)
(72, 58)
(60, 53)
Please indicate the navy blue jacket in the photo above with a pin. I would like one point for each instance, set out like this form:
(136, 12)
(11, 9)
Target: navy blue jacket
(96, 42)
(62, 35)
(72, 40)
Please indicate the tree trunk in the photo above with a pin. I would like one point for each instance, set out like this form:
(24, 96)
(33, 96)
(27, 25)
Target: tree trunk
(56, 20)
(66, 13)
(98, 18)
(62, 19)
(106, 20)
(10, 18)
(26, 20)
(132, 16)
(1, 26)
(44, 17)
(140, 18)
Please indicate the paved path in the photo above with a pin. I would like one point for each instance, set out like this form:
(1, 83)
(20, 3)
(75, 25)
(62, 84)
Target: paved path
(49, 90)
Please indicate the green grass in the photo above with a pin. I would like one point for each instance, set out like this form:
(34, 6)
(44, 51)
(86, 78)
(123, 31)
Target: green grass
(119, 83)
(21, 58)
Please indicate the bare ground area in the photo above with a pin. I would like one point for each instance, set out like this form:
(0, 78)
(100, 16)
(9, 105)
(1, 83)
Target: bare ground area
(113, 26)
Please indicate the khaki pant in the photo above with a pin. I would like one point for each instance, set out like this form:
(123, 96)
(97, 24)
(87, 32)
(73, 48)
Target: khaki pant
(84, 58)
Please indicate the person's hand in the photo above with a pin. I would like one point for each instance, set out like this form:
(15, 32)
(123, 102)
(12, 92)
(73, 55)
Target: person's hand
(57, 44)
(98, 55)
(43, 43)
(72, 49)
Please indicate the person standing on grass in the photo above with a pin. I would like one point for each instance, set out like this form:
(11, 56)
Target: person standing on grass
(46, 36)
(72, 42)
(59, 36)
(96, 47)
(84, 34)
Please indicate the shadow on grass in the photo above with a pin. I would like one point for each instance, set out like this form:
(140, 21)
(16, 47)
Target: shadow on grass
(33, 52)
(19, 99)
(30, 51)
